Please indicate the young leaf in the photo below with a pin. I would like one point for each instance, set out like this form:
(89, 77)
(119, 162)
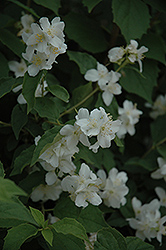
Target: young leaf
(12, 42)
(110, 239)
(2, 172)
(38, 216)
(134, 243)
(6, 85)
(48, 235)
(132, 16)
(46, 108)
(18, 120)
(59, 91)
(18, 235)
(83, 60)
(29, 88)
(70, 226)
(51, 4)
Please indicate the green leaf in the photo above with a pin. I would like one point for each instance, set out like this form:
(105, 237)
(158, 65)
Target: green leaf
(156, 47)
(12, 42)
(14, 213)
(82, 92)
(4, 69)
(83, 60)
(18, 120)
(132, 82)
(158, 130)
(2, 172)
(59, 91)
(132, 16)
(159, 5)
(18, 235)
(38, 216)
(51, 4)
(70, 226)
(46, 108)
(134, 243)
(91, 217)
(118, 142)
(25, 7)
(5, 20)
(48, 235)
(29, 88)
(90, 4)
(6, 85)
(66, 242)
(9, 189)
(143, 163)
(162, 150)
(22, 160)
(86, 32)
(46, 141)
(110, 239)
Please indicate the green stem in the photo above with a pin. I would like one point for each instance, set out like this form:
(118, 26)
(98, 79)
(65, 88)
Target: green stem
(81, 102)
(122, 65)
(5, 124)
(153, 147)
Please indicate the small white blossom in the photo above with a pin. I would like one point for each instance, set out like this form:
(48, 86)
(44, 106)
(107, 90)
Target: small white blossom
(159, 107)
(116, 54)
(129, 115)
(19, 69)
(113, 188)
(26, 21)
(162, 195)
(99, 75)
(161, 172)
(46, 192)
(135, 54)
(83, 187)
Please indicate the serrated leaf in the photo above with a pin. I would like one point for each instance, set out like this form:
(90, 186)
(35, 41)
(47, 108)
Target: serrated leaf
(51, 4)
(13, 213)
(132, 16)
(38, 216)
(110, 239)
(22, 160)
(46, 108)
(12, 42)
(6, 85)
(86, 32)
(60, 92)
(155, 44)
(83, 60)
(18, 120)
(70, 226)
(9, 189)
(46, 140)
(29, 88)
(30, 10)
(18, 235)
(134, 83)
(134, 243)
(48, 235)
(2, 173)
(90, 4)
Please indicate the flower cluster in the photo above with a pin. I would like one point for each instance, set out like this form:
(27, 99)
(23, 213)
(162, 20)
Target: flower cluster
(129, 115)
(44, 44)
(131, 53)
(148, 222)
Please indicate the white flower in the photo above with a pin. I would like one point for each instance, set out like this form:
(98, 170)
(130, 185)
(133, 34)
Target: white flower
(73, 135)
(114, 190)
(52, 219)
(111, 88)
(26, 21)
(83, 187)
(159, 107)
(100, 75)
(162, 195)
(39, 61)
(116, 54)
(37, 138)
(19, 69)
(135, 54)
(129, 115)
(147, 222)
(46, 192)
(161, 172)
